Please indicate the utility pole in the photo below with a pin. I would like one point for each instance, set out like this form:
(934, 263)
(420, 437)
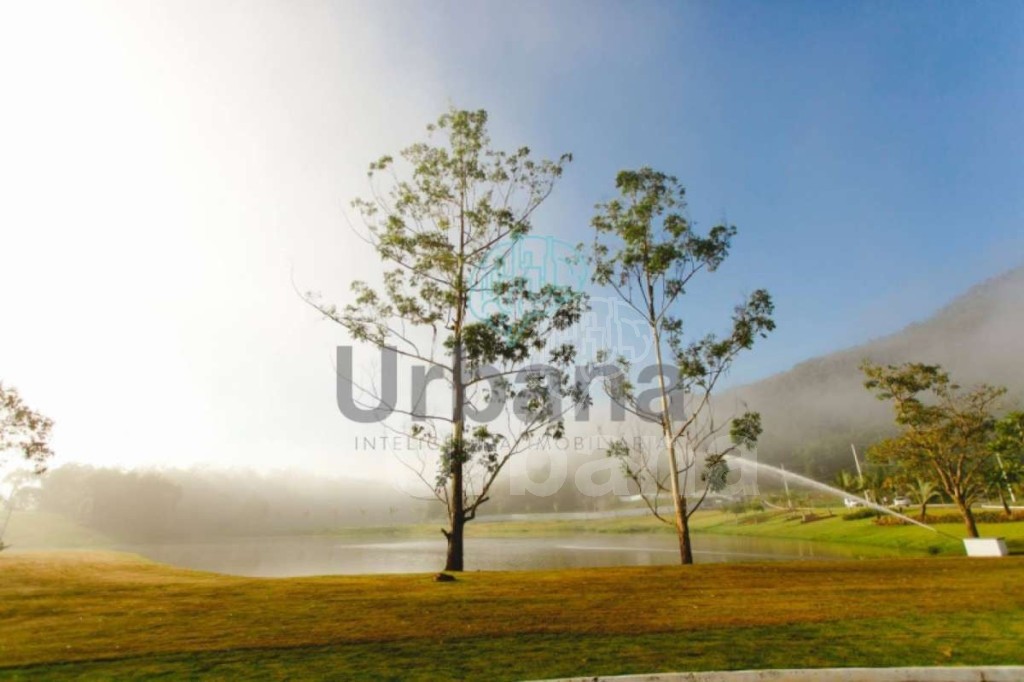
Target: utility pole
(860, 473)
(856, 461)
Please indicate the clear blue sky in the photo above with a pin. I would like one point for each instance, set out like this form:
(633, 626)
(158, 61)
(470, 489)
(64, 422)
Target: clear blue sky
(870, 153)
(169, 169)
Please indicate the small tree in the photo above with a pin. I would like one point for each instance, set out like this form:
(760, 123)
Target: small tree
(1007, 445)
(923, 491)
(945, 434)
(647, 252)
(848, 481)
(25, 434)
(875, 484)
(443, 226)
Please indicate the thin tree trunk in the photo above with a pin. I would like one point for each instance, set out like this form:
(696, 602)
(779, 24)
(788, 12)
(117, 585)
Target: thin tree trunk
(457, 513)
(457, 501)
(683, 532)
(454, 557)
(1002, 500)
(969, 522)
(924, 511)
(678, 498)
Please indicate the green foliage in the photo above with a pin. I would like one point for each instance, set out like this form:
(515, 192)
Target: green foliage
(23, 431)
(745, 505)
(442, 217)
(1007, 445)
(945, 430)
(848, 481)
(922, 492)
(982, 516)
(647, 251)
(861, 513)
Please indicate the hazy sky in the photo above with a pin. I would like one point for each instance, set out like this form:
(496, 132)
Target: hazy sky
(167, 170)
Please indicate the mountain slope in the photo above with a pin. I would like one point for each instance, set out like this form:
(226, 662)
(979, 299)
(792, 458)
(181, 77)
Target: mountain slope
(814, 411)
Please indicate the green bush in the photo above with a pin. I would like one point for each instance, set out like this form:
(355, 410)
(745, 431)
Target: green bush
(983, 516)
(861, 513)
(744, 506)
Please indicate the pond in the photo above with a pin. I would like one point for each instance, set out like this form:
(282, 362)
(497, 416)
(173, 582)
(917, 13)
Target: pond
(328, 555)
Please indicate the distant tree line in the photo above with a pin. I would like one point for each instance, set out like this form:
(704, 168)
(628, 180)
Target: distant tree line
(162, 505)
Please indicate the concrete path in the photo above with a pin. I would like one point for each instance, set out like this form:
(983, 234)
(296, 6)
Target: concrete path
(964, 674)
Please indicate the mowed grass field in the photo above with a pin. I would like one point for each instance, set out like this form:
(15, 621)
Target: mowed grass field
(108, 615)
(829, 526)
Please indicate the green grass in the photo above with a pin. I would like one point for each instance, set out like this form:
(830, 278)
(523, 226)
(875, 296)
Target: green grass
(834, 529)
(864, 532)
(103, 615)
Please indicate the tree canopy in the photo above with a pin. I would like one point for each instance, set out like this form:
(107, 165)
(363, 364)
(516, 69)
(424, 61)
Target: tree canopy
(24, 432)
(443, 218)
(647, 251)
(945, 430)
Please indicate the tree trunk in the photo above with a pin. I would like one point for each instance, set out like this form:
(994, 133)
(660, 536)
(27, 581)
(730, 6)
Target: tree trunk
(683, 533)
(924, 511)
(1002, 500)
(969, 523)
(457, 511)
(454, 558)
(457, 500)
(678, 496)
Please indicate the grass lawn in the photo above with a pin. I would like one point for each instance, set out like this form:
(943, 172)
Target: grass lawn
(898, 540)
(99, 614)
(836, 529)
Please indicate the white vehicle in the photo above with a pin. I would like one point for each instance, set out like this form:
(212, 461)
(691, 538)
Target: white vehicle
(901, 501)
(850, 503)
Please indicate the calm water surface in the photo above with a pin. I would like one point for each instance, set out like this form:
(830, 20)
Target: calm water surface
(320, 555)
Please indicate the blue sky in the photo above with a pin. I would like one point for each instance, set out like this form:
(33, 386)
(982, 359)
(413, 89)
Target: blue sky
(871, 153)
(173, 171)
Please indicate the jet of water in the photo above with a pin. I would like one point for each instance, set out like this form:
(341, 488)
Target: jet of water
(818, 485)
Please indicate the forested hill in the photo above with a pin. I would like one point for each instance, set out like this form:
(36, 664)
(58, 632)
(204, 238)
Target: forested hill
(812, 412)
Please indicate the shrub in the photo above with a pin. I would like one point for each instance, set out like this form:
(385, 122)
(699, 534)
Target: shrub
(757, 518)
(744, 506)
(861, 513)
(983, 516)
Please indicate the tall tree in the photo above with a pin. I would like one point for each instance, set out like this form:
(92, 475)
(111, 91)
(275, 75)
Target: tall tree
(945, 430)
(647, 252)
(444, 219)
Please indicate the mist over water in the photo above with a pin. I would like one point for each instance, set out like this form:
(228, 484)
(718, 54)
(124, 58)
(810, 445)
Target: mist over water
(310, 555)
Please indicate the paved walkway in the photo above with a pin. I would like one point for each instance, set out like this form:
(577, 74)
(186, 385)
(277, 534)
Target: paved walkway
(964, 674)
